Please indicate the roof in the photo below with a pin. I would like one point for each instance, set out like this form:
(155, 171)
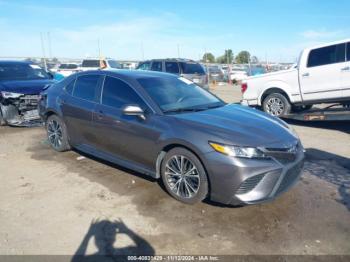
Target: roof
(172, 59)
(329, 43)
(135, 74)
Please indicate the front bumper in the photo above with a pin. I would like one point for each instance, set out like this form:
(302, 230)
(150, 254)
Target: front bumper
(240, 181)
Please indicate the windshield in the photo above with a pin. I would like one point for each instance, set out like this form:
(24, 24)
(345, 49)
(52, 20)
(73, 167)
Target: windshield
(176, 94)
(14, 71)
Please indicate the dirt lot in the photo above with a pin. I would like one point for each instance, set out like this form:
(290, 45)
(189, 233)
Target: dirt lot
(65, 203)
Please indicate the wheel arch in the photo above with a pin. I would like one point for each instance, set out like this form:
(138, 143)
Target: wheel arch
(272, 90)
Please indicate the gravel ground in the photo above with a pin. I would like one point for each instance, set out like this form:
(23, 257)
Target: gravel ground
(68, 203)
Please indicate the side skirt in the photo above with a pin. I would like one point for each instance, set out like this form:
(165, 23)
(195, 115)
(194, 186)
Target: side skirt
(116, 160)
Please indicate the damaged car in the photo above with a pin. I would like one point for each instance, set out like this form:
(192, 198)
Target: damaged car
(20, 86)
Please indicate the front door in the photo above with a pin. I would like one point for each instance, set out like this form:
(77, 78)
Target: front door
(128, 137)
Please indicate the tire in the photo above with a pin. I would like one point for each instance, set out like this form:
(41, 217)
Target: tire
(191, 188)
(57, 134)
(298, 109)
(276, 104)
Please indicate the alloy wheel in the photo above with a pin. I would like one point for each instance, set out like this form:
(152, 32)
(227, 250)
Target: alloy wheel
(54, 132)
(275, 106)
(182, 176)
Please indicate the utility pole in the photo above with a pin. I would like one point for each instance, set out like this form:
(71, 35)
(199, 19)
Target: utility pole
(178, 50)
(49, 44)
(99, 48)
(43, 50)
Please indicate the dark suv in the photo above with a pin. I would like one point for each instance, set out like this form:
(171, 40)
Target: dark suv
(186, 68)
(167, 127)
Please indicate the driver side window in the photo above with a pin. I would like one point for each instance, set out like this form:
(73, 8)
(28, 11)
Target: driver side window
(116, 93)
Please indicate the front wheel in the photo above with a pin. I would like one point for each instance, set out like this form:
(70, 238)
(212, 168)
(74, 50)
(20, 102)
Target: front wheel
(276, 104)
(184, 176)
(57, 133)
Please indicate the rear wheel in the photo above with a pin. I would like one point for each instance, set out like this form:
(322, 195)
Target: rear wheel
(184, 176)
(276, 104)
(57, 133)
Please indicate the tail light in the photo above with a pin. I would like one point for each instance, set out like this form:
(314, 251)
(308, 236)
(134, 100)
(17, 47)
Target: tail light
(244, 87)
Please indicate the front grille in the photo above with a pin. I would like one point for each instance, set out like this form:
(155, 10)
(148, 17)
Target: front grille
(249, 184)
(283, 155)
(290, 177)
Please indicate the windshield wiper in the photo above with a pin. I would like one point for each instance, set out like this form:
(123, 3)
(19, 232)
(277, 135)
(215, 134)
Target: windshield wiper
(180, 110)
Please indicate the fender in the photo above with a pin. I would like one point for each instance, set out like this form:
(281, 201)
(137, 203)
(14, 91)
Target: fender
(279, 84)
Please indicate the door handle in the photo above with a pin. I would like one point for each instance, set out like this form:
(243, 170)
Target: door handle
(305, 75)
(347, 68)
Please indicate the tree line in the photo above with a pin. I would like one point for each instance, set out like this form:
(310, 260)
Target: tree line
(228, 57)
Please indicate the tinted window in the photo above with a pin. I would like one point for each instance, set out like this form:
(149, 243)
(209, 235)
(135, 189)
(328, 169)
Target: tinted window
(117, 93)
(327, 55)
(91, 63)
(21, 71)
(172, 67)
(156, 66)
(144, 66)
(192, 68)
(85, 87)
(69, 88)
(68, 66)
(348, 52)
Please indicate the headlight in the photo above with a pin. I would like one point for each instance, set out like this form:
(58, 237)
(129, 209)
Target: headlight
(5, 94)
(237, 151)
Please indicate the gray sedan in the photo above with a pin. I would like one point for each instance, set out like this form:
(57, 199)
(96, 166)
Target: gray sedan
(167, 127)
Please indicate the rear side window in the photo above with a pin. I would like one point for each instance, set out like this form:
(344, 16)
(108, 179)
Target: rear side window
(116, 93)
(156, 66)
(348, 52)
(326, 55)
(70, 86)
(85, 87)
(144, 66)
(192, 68)
(172, 67)
(91, 63)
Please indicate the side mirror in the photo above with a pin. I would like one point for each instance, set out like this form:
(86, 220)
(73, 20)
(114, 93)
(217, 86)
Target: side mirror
(134, 110)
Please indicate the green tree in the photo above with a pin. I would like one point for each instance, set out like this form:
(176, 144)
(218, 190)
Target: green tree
(243, 57)
(208, 58)
(254, 60)
(226, 58)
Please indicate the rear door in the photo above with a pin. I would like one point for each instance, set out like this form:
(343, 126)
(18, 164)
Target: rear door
(320, 76)
(345, 74)
(77, 108)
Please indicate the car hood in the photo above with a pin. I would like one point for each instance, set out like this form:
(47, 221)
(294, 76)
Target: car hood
(243, 126)
(27, 87)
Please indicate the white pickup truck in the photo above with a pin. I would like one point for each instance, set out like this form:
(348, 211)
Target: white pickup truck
(322, 75)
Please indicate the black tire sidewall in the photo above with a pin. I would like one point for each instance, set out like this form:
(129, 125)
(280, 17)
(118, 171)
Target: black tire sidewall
(204, 184)
(65, 143)
(287, 105)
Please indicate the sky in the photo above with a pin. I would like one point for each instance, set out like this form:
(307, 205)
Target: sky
(272, 30)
